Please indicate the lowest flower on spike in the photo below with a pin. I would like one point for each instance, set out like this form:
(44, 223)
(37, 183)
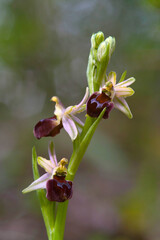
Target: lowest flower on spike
(63, 117)
(57, 188)
(111, 95)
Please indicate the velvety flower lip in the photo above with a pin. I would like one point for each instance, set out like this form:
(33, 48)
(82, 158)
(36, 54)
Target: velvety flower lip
(97, 102)
(47, 127)
(58, 189)
(119, 91)
(63, 117)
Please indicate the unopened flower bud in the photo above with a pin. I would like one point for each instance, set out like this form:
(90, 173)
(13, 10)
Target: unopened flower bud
(103, 51)
(111, 41)
(96, 39)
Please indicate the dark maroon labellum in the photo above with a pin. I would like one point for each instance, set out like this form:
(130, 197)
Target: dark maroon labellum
(58, 189)
(47, 127)
(97, 102)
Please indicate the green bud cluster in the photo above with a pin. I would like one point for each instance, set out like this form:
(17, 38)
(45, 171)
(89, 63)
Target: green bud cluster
(100, 54)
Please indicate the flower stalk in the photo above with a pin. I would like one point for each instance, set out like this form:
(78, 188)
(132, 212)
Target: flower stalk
(75, 160)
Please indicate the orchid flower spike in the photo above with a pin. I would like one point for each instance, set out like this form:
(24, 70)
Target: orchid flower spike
(58, 189)
(63, 117)
(119, 91)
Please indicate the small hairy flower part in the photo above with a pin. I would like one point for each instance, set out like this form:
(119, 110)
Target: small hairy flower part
(47, 127)
(97, 102)
(59, 189)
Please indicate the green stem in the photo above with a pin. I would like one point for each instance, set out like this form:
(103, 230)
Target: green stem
(51, 218)
(60, 221)
(78, 153)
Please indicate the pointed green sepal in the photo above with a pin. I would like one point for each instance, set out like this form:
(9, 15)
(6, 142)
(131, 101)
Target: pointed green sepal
(34, 164)
(123, 76)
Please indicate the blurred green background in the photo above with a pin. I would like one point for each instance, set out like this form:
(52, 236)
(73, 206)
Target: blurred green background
(44, 47)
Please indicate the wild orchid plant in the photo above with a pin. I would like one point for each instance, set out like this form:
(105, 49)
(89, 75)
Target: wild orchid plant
(54, 188)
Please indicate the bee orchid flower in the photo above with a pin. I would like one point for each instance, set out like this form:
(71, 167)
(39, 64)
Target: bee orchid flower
(111, 94)
(63, 117)
(119, 91)
(58, 189)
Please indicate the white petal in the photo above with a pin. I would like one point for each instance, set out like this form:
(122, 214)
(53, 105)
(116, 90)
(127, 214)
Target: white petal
(52, 154)
(40, 183)
(70, 127)
(80, 107)
(127, 82)
(78, 121)
(112, 78)
(121, 104)
(123, 91)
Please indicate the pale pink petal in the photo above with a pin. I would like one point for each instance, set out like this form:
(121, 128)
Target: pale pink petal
(52, 154)
(70, 127)
(123, 91)
(80, 107)
(40, 183)
(78, 121)
(126, 83)
(84, 100)
(121, 104)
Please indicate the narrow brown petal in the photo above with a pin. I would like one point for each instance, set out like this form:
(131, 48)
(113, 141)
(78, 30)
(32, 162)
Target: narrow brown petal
(58, 189)
(97, 102)
(47, 127)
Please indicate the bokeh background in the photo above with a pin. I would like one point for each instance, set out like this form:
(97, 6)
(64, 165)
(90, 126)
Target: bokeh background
(44, 47)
